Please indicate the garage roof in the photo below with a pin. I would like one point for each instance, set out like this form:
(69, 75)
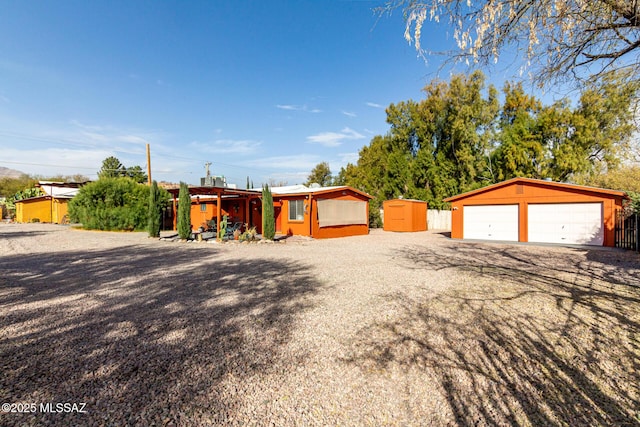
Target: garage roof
(539, 182)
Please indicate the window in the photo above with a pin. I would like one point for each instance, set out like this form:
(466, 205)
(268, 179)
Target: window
(203, 207)
(296, 210)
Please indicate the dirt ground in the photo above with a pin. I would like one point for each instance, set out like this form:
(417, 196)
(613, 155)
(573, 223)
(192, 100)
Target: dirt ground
(100, 328)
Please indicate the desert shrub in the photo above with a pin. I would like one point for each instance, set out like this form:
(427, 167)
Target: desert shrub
(111, 204)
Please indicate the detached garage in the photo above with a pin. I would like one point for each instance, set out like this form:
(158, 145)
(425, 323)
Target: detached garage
(531, 210)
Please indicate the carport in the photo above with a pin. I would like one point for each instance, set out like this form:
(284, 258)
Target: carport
(531, 210)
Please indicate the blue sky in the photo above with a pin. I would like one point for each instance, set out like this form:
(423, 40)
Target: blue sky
(265, 89)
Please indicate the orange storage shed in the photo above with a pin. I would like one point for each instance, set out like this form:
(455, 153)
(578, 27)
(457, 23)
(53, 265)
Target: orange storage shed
(405, 215)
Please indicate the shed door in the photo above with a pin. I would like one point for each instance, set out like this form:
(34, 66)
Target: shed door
(571, 223)
(495, 222)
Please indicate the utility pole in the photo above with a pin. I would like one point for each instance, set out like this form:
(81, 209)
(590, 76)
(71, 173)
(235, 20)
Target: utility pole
(148, 165)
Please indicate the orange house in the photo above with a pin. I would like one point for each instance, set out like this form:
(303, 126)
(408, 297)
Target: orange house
(404, 215)
(531, 210)
(321, 212)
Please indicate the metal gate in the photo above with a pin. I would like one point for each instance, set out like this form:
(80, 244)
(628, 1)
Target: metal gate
(627, 231)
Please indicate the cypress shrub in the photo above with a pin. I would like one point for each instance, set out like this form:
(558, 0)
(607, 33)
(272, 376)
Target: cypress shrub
(268, 218)
(184, 212)
(155, 211)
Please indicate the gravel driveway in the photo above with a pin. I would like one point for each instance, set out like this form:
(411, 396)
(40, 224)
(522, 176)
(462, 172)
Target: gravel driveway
(385, 329)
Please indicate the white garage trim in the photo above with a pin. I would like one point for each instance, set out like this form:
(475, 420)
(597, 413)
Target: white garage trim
(490, 222)
(570, 223)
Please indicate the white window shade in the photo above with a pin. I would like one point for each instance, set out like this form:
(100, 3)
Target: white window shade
(341, 212)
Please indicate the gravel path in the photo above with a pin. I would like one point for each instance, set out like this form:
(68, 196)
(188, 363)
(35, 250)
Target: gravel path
(385, 329)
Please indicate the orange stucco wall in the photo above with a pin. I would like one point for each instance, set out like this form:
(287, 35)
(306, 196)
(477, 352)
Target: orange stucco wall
(405, 215)
(309, 226)
(529, 193)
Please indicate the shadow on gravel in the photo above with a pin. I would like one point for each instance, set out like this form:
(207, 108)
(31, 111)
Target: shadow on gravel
(143, 335)
(518, 338)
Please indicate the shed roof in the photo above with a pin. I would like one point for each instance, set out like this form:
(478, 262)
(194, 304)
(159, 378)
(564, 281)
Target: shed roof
(539, 182)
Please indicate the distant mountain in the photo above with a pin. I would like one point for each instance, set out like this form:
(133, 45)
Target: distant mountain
(9, 173)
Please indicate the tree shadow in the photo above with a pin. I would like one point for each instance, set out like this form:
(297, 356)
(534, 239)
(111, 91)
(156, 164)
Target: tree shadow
(145, 335)
(518, 338)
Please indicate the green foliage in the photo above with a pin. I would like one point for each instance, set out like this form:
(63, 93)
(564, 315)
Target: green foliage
(460, 138)
(268, 215)
(375, 220)
(184, 212)
(249, 234)
(158, 199)
(137, 174)
(113, 168)
(320, 174)
(10, 186)
(222, 232)
(28, 193)
(111, 204)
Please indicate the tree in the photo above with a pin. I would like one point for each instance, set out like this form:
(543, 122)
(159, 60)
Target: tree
(520, 151)
(320, 174)
(559, 38)
(184, 212)
(460, 138)
(137, 174)
(268, 216)
(10, 186)
(111, 168)
(155, 210)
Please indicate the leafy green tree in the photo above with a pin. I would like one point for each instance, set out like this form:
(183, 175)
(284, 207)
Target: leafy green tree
(10, 186)
(460, 138)
(137, 174)
(320, 174)
(520, 151)
(113, 168)
(111, 204)
(184, 212)
(268, 215)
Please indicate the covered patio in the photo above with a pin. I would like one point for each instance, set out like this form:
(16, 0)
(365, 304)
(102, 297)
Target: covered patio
(210, 204)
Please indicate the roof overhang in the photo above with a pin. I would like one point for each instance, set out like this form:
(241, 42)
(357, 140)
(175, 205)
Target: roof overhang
(539, 182)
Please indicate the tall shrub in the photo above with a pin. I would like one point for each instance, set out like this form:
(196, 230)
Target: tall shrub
(268, 218)
(184, 212)
(155, 211)
(111, 204)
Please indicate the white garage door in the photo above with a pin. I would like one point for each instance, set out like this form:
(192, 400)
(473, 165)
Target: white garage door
(496, 222)
(572, 223)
